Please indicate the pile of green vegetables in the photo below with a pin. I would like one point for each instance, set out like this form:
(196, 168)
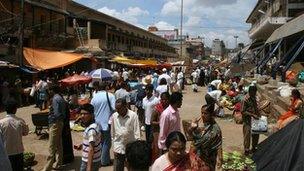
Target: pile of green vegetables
(235, 161)
(28, 158)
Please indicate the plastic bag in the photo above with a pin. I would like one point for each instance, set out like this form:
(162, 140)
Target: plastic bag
(259, 125)
(33, 90)
(285, 91)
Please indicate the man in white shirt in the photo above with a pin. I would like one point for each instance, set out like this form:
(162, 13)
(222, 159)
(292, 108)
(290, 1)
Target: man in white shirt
(125, 75)
(213, 97)
(166, 76)
(173, 77)
(122, 93)
(125, 130)
(194, 80)
(216, 84)
(12, 129)
(180, 79)
(149, 103)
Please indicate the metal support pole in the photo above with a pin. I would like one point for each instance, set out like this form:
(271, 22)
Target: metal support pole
(181, 29)
(21, 34)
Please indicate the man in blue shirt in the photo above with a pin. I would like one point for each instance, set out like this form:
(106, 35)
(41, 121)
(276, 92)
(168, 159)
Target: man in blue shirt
(56, 115)
(104, 105)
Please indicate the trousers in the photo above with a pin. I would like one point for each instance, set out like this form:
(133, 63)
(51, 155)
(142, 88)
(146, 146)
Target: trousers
(16, 161)
(105, 147)
(55, 146)
(247, 135)
(119, 162)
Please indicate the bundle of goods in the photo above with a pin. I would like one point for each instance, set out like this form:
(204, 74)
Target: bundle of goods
(235, 161)
(226, 101)
(291, 78)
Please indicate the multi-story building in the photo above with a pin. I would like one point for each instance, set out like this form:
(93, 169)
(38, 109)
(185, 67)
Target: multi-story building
(218, 47)
(116, 35)
(276, 34)
(44, 25)
(196, 47)
(268, 15)
(65, 24)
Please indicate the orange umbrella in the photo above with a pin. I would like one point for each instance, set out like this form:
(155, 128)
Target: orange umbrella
(75, 80)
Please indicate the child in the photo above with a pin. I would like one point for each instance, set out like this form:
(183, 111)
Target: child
(91, 145)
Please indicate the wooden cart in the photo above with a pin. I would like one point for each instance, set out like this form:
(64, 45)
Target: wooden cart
(40, 121)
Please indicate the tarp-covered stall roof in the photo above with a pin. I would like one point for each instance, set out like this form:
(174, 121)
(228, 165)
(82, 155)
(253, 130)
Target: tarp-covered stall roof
(44, 59)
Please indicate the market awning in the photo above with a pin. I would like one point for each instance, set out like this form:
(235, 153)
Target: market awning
(44, 59)
(292, 27)
(135, 62)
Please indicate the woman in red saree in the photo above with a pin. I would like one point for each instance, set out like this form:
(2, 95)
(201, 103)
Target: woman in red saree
(176, 159)
(293, 110)
(159, 108)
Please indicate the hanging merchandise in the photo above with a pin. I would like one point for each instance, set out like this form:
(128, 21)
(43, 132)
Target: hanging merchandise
(301, 76)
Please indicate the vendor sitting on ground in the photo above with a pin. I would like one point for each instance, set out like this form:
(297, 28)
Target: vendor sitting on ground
(213, 97)
(293, 110)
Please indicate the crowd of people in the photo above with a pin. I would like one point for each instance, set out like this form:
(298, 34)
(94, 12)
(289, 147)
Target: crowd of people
(148, 103)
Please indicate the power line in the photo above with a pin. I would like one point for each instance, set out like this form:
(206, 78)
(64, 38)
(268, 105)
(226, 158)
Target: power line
(6, 20)
(217, 27)
(5, 9)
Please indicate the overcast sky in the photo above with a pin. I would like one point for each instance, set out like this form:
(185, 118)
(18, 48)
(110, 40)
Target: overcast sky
(206, 18)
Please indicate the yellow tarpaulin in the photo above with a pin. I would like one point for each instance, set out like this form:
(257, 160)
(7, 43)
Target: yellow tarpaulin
(44, 59)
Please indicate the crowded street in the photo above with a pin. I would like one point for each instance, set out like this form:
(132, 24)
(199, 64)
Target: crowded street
(151, 85)
(232, 133)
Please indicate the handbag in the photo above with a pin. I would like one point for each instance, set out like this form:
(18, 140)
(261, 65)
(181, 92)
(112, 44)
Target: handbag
(259, 126)
(108, 100)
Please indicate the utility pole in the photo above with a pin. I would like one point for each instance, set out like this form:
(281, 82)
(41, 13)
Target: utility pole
(21, 34)
(181, 29)
(236, 45)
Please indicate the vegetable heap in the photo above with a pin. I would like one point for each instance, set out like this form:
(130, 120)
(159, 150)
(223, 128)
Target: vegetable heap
(28, 158)
(237, 162)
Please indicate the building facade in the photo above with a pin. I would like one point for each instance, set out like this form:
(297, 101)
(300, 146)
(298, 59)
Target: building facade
(65, 24)
(196, 47)
(269, 15)
(44, 26)
(218, 47)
